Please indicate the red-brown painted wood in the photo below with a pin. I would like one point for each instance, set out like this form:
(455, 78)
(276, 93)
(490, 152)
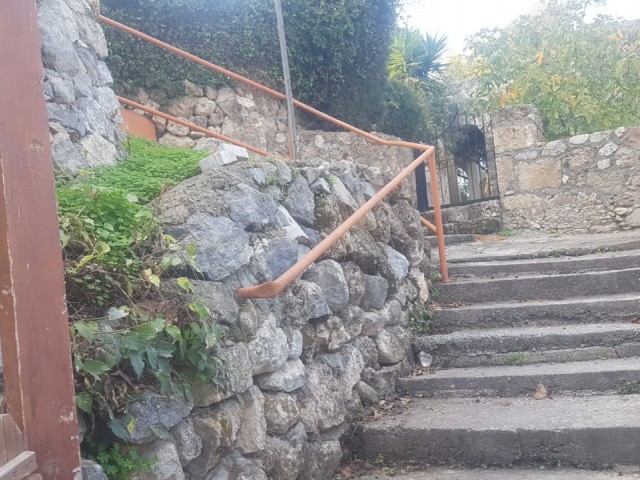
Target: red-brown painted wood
(36, 350)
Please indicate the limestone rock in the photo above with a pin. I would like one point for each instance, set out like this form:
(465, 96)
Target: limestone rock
(204, 107)
(390, 348)
(92, 471)
(281, 412)
(322, 459)
(237, 378)
(276, 256)
(300, 201)
(269, 350)
(166, 463)
(153, 409)
(376, 289)
(249, 208)
(178, 129)
(329, 276)
(398, 263)
(288, 378)
(367, 394)
(314, 298)
(237, 467)
(283, 456)
(291, 227)
(171, 140)
(188, 443)
(222, 247)
(372, 323)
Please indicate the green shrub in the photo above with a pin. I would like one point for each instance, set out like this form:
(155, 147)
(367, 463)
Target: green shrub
(338, 49)
(117, 461)
(406, 115)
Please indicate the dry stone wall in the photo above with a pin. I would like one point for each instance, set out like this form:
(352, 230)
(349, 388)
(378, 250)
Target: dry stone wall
(260, 121)
(83, 110)
(583, 184)
(301, 365)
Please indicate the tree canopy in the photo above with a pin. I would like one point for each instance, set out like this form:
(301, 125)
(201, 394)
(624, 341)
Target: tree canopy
(583, 76)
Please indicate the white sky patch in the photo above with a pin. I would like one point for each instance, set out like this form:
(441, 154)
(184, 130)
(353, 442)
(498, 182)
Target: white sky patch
(458, 19)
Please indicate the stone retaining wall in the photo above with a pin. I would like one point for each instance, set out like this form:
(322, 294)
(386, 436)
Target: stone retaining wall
(584, 184)
(84, 112)
(260, 121)
(302, 365)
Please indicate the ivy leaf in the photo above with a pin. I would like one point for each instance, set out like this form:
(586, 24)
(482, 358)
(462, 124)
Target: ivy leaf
(136, 363)
(122, 427)
(161, 432)
(152, 277)
(87, 330)
(174, 332)
(95, 367)
(84, 402)
(185, 284)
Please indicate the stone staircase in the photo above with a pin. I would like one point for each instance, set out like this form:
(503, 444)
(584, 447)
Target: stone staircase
(538, 372)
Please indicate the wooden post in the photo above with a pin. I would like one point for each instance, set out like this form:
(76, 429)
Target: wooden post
(36, 349)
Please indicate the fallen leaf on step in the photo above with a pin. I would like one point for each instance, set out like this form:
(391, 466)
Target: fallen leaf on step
(541, 392)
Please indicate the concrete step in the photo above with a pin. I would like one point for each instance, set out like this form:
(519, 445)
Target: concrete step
(593, 309)
(508, 474)
(538, 287)
(620, 375)
(549, 266)
(589, 432)
(539, 245)
(455, 239)
(527, 345)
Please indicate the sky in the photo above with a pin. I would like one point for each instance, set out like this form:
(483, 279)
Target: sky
(459, 18)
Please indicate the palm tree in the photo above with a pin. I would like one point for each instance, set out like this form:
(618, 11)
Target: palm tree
(417, 60)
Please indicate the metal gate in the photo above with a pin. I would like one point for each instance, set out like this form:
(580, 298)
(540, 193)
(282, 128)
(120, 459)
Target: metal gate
(466, 159)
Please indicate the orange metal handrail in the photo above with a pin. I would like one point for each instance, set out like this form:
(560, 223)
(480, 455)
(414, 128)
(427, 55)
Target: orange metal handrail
(193, 126)
(428, 224)
(275, 287)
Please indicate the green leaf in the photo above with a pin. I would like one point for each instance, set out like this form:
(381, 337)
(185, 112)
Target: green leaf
(84, 402)
(120, 426)
(87, 330)
(174, 332)
(185, 284)
(95, 367)
(161, 432)
(137, 363)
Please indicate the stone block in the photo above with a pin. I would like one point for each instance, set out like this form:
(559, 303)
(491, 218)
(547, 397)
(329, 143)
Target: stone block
(540, 174)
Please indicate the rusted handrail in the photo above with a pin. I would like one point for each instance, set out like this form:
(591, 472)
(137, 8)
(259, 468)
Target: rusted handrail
(193, 126)
(428, 224)
(273, 288)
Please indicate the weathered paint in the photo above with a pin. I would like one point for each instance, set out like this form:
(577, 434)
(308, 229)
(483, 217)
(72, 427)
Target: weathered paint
(36, 349)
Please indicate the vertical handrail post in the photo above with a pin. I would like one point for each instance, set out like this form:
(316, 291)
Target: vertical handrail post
(34, 329)
(291, 115)
(433, 173)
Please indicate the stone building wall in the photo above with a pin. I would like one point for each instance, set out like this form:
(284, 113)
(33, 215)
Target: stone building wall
(260, 121)
(83, 110)
(299, 366)
(584, 184)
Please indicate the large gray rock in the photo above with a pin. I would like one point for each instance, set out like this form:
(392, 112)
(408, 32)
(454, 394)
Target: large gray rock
(249, 208)
(269, 350)
(368, 396)
(355, 281)
(237, 467)
(385, 380)
(331, 334)
(288, 378)
(98, 151)
(276, 256)
(300, 201)
(226, 155)
(281, 412)
(153, 409)
(291, 227)
(375, 294)
(372, 323)
(283, 457)
(314, 298)
(222, 247)
(219, 298)
(166, 463)
(392, 314)
(398, 262)
(59, 34)
(329, 276)
(391, 349)
(321, 460)
(238, 377)
(92, 471)
(188, 443)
